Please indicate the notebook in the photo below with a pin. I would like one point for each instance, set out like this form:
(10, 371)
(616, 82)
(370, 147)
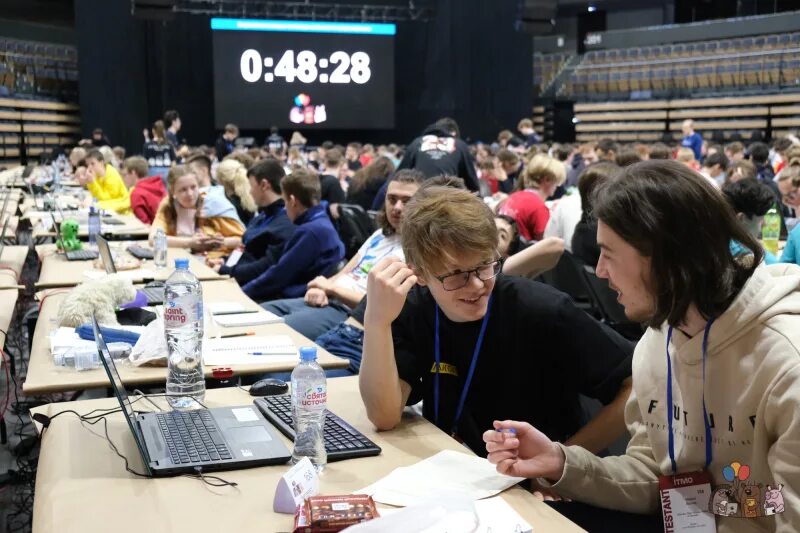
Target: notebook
(248, 350)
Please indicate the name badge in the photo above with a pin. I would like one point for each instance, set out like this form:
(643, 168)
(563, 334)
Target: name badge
(684, 502)
(300, 482)
(233, 258)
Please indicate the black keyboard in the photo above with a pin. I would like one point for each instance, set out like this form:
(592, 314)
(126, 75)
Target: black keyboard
(342, 441)
(81, 255)
(154, 295)
(192, 437)
(140, 252)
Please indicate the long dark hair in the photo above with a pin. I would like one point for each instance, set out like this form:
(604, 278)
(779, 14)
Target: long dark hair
(672, 215)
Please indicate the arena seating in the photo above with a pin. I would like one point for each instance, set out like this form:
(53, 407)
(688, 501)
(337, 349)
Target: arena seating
(721, 119)
(36, 69)
(759, 62)
(46, 125)
(546, 67)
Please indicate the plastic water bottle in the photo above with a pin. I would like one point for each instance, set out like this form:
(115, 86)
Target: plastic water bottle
(309, 398)
(771, 230)
(160, 249)
(94, 225)
(183, 327)
(88, 358)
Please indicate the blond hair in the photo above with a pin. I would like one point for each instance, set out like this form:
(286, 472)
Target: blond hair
(440, 223)
(109, 156)
(685, 155)
(233, 177)
(541, 168)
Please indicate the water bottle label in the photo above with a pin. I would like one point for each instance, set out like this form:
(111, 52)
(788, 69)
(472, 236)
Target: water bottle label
(314, 398)
(182, 310)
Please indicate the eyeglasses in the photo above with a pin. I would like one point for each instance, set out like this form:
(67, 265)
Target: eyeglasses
(485, 272)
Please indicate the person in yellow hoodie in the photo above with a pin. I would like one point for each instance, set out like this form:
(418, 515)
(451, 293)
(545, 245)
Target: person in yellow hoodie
(105, 184)
(716, 377)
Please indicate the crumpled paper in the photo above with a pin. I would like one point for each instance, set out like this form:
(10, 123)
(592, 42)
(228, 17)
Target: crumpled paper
(151, 349)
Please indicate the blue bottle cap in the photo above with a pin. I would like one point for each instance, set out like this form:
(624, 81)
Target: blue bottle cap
(308, 353)
(182, 263)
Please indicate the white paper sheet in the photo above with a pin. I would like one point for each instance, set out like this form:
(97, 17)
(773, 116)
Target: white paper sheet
(136, 273)
(247, 319)
(447, 471)
(224, 307)
(240, 350)
(492, 515)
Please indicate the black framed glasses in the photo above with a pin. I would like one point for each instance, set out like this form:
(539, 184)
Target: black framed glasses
(458, 280)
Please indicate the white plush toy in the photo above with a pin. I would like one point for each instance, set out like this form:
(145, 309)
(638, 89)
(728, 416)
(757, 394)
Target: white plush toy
(100, 297)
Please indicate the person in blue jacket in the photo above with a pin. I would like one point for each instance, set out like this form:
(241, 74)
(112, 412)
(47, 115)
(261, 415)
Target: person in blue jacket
(267, 232)
(692, 139)
(313, 250)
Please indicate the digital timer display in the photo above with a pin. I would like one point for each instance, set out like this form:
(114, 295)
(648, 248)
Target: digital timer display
(325, 75)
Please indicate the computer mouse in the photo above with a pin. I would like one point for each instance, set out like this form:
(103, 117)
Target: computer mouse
(269, 387)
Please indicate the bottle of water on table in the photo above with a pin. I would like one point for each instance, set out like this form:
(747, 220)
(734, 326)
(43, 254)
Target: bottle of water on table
(160, 249)
(309, 399)
(183, 327)
(94, 224)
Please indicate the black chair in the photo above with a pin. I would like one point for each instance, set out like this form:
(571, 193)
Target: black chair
(605, 299)
(354, 226)
(567, 278)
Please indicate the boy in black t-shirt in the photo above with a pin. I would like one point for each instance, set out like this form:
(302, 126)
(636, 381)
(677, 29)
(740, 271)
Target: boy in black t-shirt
(507, 346)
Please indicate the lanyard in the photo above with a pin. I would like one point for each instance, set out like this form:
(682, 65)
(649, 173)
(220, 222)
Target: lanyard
(468, 382)
(670, 435)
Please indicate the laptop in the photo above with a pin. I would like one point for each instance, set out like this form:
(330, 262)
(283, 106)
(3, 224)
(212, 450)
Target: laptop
(5, 203)
(154, 294)
(3, 236)
(178, 442)
(72, 255)
(34, 197)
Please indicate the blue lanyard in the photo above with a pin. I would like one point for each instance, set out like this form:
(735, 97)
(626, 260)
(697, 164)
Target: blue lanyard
(670, 435)
(468, 382)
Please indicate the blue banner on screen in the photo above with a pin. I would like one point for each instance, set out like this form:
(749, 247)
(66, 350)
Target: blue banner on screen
(303, 74)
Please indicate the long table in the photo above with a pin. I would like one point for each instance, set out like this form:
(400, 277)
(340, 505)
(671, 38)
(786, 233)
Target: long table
(127, 226)
(82, 486)
(12, 261)
(8, 302)
(44, 377)
(58, 272)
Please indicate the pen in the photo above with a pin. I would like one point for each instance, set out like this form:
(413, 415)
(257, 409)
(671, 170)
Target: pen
(249, 333)
(236, 312)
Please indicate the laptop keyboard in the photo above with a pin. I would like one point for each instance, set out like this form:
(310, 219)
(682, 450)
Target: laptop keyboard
(192, 437)
(140, 252)
(81, 255)
(154, 295)
(342, 441)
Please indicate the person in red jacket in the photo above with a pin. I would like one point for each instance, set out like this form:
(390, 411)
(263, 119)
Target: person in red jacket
(536, 183)
(146, 192)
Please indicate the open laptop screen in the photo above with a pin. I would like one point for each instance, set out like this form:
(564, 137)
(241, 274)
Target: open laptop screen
(119, 390)
(3, 235)
(105, 255)
(5, 202)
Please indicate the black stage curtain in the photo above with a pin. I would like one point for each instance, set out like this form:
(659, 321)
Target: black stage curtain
(467, 63)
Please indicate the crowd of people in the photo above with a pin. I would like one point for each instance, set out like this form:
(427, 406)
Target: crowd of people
(438, 304)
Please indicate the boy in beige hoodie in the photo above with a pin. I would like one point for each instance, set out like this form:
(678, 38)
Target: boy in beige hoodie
(664, 233)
